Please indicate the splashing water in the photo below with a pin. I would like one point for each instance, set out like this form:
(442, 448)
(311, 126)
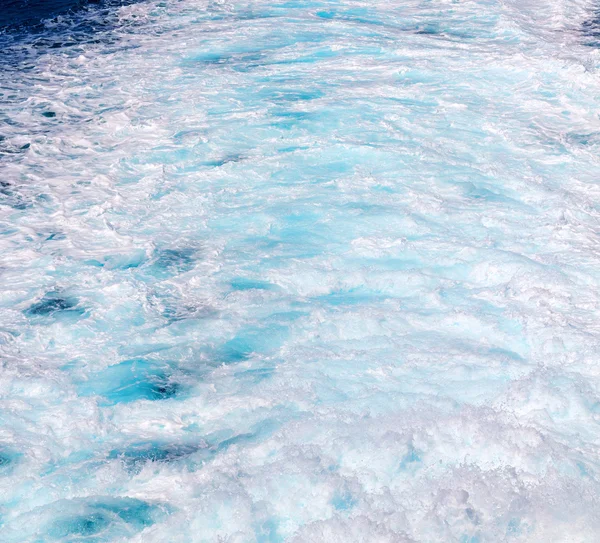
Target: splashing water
(301, 271)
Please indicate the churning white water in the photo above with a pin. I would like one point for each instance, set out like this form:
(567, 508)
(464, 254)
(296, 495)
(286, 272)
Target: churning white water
(320, 271)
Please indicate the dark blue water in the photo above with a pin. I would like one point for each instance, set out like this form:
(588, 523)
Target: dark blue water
(591, 30)
(27, 12)
(25, 31)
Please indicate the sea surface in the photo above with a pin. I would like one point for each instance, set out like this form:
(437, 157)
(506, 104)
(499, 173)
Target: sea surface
(321, 271)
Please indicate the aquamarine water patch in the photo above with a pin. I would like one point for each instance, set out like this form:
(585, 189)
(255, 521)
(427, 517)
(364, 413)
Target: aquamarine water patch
(132, 380)
(170, 262)
(255, 375)
(243, 283)
(351, 297)
(343, 501)
(252, 340)
(283, 96)
(8, 459)
(411, 460)
(96, 519)
(266, 531)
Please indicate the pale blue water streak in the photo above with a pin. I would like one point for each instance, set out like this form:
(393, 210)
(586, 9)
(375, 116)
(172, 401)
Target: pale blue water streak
(301, 271)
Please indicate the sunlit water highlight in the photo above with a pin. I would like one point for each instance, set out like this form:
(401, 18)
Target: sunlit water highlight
(301, 271)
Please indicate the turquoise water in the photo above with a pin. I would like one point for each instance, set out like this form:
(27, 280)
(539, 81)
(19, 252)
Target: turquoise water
(301, 271)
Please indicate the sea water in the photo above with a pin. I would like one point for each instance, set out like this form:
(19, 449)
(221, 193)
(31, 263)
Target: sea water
(321, 271)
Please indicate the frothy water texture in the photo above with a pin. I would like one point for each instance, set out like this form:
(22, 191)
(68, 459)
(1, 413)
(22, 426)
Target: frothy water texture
(319, 271)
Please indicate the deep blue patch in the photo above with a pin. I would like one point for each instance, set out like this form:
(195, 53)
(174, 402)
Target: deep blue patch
(137, 455)
(4, 459)
(53, 304)
(134, 512)
(18, 12)
(8, 459)
(8, 194)
(80, 525)
(130, 381)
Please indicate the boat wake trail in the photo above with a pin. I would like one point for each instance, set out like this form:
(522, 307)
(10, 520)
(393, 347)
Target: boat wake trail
(300, 271)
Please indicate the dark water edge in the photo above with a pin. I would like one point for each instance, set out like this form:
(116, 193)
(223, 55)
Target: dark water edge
(27, 15)
(591, 30)
(30, 27)
(18, 13)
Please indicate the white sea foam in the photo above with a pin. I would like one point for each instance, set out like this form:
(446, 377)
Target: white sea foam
(294, 271)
